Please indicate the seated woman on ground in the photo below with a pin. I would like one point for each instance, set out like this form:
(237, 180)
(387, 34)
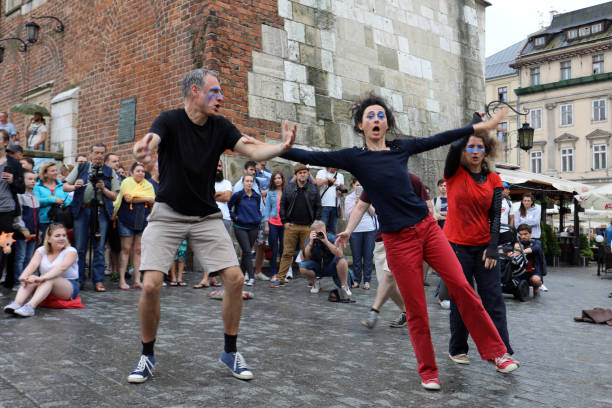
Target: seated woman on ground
(59, 274)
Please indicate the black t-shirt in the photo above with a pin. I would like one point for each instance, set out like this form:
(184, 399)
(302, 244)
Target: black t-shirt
(300, 214)
(188, 158)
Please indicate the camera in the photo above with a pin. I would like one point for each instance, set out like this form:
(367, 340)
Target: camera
(342, 190)
(96, 175)
(320, 235)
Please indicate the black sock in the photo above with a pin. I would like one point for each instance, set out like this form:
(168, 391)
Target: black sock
(147, 348)
(374, 310)
(230, 343)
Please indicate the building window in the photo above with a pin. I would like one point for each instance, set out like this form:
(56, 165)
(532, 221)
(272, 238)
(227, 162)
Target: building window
(584, 31)
(598, 110)
(572, 34)
(598, 64)
(535, 76)
(567, 159)
(536, 118)
(502, 131)
(567, 115)
(596, 28)
(540, 41)
(600, 156)
(566, 70)
(11, 5)
(502, 94)
(536, 162)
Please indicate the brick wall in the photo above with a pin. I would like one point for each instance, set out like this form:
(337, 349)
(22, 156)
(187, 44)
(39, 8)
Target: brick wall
(303, 60)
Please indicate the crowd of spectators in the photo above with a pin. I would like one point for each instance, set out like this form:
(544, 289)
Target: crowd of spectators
(287, 222)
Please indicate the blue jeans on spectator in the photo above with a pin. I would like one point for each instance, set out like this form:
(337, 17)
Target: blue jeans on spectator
(489, 290)
(275, 239)
(329, 215)
(81, 237)
(23, 253)
(362, 248)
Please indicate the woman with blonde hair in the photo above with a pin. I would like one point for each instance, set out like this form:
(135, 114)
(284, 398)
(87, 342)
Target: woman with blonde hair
(49, 191)
(56, 261)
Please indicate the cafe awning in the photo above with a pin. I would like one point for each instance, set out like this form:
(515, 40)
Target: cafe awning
(520, 177)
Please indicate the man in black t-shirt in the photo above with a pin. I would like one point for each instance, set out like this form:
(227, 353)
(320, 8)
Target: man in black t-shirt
(189, 142)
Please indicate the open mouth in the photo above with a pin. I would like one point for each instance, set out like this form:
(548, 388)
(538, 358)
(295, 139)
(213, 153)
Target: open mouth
(376, 129)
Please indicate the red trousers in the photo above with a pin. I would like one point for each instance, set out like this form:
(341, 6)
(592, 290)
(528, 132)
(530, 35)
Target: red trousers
(406, 249)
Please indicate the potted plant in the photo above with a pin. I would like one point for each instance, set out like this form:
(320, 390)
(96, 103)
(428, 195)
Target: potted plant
(550, 245)
(586, 253)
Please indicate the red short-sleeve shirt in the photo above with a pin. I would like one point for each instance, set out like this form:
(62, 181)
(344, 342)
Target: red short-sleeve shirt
(467, 219)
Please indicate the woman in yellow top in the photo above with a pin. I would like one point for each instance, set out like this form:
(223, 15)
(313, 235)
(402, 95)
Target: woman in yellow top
(132, 207)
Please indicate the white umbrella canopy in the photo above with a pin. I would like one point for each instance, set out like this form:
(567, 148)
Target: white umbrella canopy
(598, 198)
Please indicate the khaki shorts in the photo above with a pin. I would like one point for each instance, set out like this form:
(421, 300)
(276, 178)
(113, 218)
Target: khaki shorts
(207, 236)
(380, 261)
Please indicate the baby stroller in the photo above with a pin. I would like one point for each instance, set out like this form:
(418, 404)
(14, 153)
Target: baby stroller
(513, 270)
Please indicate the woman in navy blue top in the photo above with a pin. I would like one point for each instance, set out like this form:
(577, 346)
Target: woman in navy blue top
(410, 233)
(245, 213)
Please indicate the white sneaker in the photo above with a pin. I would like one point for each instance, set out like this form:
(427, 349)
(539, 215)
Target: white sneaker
(543, 288)
(261, 276)
(246, 278)
(290, 273)
(250, 282)
(445, 304)
(347, 290)
(316, 287)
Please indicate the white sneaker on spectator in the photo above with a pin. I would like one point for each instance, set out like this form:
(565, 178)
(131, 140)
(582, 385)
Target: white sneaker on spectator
(250, 282)
(261, 276)
(543, 288)
(347, 290)
(445, 304)
(316, 287)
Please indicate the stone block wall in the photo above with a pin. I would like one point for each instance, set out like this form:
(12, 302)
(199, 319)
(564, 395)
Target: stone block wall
(425, 57)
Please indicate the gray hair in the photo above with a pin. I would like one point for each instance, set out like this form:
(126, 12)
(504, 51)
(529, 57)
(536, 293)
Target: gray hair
(317, 224)
(197, 78)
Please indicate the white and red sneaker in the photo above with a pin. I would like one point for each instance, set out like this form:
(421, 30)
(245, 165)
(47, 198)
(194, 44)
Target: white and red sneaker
(431, 385)
(504, 364)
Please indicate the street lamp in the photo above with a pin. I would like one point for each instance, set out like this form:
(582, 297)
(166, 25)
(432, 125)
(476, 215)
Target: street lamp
(24, 45)
(525, 133)
(32, 29)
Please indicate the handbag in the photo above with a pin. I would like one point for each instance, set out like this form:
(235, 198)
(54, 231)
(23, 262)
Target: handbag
(61, 214)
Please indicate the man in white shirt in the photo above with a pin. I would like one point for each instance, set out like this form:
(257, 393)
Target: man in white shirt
(223, 193)
(331, 187)
(507, 217)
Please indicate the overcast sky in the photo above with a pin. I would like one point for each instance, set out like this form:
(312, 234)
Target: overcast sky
(510, 21)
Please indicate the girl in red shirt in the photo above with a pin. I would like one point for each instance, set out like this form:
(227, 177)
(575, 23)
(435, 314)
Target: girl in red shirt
(472, 227)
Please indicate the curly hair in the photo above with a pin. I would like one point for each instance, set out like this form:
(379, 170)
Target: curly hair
(360, 106)
(490, 144)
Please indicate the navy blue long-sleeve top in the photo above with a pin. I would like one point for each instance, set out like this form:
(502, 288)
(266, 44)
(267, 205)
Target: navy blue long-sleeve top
(384, 174)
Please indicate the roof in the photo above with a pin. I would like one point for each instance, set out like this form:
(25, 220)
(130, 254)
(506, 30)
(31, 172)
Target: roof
(497, 65)
(579, 17)
(555, 32)
(522, 176)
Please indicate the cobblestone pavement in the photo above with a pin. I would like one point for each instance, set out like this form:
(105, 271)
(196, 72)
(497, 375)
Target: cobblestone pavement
(304, 352)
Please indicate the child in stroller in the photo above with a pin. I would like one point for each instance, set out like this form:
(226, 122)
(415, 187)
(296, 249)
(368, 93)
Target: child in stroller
(522, 265)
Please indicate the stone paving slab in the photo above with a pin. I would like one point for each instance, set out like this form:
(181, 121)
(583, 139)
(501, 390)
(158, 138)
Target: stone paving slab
(304, 352)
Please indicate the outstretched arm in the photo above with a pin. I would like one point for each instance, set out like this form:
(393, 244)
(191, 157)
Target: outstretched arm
(356, 214)
(338, 159)
(423, 144)
(258, 150)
